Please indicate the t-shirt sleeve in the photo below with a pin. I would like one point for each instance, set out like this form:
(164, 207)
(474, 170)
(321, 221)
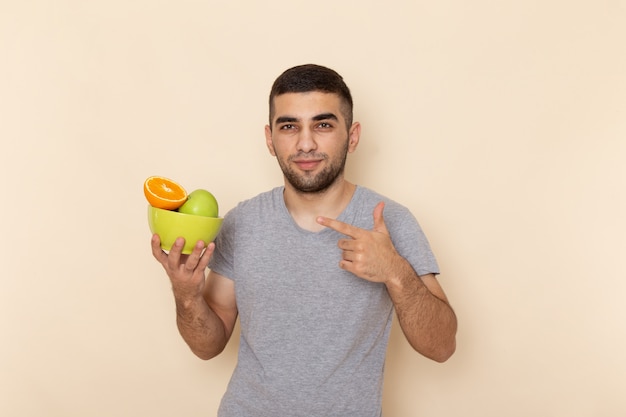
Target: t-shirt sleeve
(222, 260)
(410, 240)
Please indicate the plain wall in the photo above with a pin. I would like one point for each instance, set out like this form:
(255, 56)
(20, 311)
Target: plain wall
(500, 124)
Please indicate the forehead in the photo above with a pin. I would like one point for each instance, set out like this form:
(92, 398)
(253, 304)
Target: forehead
(306, 105)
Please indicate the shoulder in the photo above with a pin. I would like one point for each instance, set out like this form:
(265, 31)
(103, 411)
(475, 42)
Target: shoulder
(245, 218)
(370, 198)
(400, 221)
(261, 203)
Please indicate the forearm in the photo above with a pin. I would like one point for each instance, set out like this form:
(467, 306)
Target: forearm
(427, 320)
(200, 327)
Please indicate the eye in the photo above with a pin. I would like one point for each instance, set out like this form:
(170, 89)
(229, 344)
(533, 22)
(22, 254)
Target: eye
(287, 127)
(325, 125)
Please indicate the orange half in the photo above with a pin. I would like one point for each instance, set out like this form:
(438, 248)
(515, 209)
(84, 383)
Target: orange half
(164, 193)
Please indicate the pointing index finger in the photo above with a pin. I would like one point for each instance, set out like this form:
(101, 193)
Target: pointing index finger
(339, 226)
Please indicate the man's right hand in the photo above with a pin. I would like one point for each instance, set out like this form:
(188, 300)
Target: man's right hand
(187, 273)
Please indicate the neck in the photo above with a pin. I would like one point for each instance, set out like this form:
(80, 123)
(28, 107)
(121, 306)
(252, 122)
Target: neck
(306, 207)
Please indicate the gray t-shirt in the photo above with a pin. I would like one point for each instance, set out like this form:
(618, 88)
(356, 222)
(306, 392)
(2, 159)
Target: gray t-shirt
(313, 336)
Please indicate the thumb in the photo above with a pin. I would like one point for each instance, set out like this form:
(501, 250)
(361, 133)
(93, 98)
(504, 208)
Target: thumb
(379, 220)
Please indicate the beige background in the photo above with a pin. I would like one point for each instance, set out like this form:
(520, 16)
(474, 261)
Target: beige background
(500, 124)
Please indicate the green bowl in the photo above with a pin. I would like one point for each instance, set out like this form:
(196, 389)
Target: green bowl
(170, 225)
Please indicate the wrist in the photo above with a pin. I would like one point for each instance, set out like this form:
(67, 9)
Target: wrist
(399, 274)
(187, 302)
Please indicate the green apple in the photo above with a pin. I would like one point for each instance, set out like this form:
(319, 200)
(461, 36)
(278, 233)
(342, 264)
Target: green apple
(200, 203)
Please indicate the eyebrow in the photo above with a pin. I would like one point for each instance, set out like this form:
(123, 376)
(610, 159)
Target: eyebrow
(325, 116)
(317, 118)
(285, 119)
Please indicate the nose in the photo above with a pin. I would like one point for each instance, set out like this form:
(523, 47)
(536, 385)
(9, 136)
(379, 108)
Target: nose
(306, 141)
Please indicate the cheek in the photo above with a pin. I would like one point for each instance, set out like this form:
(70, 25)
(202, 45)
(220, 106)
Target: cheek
(282, 145)
(277, 149)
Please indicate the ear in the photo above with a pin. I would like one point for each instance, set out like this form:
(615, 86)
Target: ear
(268, 140)
(354, 135)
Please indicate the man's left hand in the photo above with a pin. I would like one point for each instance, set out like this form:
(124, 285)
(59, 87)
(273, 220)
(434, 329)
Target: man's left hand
(368, 254)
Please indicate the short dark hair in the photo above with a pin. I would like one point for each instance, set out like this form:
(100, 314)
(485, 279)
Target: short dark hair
(311, 77)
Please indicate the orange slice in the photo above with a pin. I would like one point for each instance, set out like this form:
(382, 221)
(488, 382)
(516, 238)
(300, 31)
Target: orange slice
(164, 193)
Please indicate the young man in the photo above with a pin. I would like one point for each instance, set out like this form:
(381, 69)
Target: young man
(313, 269)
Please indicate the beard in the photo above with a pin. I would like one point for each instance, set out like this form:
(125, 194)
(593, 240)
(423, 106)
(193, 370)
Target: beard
(309, 182)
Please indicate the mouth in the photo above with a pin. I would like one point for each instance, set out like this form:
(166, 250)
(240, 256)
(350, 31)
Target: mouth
(307, 164)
